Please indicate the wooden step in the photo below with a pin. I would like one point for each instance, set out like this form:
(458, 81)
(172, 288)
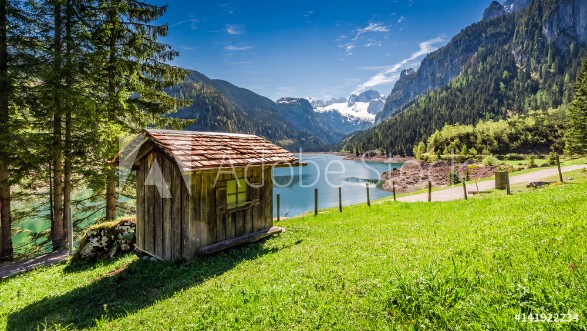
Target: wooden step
(244, 239)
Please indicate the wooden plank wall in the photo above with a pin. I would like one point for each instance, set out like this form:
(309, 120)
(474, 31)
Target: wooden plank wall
(167, 168)
(164, 222)
(268, 200)
(226, 224)
(186, 216)
(149, 229)
(158, 208)
(176, 224)
(140, 226)
(177, 227)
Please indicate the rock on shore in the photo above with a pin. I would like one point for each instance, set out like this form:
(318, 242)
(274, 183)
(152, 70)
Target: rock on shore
(414, 175)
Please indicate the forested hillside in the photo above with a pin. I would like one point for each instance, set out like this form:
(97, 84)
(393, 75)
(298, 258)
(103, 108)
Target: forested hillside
(538, 132)
(217, 105)
(521, 62)
(220, 106)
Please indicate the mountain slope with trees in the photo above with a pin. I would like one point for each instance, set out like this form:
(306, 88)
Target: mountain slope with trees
(221, 106)
(576, 133)
(520, 65)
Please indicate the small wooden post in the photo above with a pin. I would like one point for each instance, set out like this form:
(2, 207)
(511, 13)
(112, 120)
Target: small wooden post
(429, 191)
(315, 202)
(560, 173)
(465, 187)
(340, 199)
(278, 203)
(507, 182)
(70, 231)
(368, 197)
(393, 183)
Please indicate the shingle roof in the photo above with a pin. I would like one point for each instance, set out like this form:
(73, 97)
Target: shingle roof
(195, 151)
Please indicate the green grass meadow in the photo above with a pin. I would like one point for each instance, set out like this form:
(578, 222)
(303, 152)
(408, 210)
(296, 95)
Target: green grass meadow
(462, 265)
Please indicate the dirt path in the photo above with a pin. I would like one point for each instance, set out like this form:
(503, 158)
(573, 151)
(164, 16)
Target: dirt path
(456, 193)
(9, 269)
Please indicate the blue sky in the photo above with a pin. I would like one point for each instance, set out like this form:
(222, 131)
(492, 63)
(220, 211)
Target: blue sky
(320, 49)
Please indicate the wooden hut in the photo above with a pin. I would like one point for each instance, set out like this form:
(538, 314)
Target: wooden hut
(200, 192)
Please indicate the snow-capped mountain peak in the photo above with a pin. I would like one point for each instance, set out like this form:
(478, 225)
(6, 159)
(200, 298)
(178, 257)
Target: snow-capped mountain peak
(324, 103)
(363, 106)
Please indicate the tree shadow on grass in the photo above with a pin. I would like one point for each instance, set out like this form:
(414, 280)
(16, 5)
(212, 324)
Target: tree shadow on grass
(129, 289)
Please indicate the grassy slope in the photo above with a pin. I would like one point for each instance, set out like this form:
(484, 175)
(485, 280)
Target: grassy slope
(470, 264)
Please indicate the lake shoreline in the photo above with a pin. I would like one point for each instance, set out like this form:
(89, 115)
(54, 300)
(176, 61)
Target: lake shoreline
(347, 156)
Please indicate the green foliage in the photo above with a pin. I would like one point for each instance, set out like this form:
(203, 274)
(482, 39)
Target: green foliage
(217, 105)
(490, 160)
(419, 150)
(535, 131)
(390, 266)
(90, 73)
(531, 161)
(453, 177)
(531, 82)
(552, 158)
(576, 134)
(514, 157)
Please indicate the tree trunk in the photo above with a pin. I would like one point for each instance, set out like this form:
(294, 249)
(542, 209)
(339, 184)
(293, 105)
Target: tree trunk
(67, 185)
(112, 104)
(6, 251)
(57, 233)
(111, 198)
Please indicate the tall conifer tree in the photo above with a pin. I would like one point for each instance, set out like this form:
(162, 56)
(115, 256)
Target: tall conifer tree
(130, 64)
(576, 133)
(5, 91)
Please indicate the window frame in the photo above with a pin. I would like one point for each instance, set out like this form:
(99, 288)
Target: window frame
(237, 193)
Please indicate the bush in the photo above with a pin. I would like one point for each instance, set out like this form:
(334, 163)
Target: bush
(457, 158)
(531, 161)
(513, 157)
(429, 157)
(490, 160)
(454, 177)
(505, 167)
(551, 159)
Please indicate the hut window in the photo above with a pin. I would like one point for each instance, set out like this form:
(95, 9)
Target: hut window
(236, 192)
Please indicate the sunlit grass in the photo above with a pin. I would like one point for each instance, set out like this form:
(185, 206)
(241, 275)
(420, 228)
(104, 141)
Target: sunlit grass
(458, 265)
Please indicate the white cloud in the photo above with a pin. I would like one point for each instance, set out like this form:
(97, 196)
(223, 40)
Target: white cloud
(372, 27)
(374, 43)
(392, 73)
(178, 23)
(233, 48)
(357, 39)
(374, 68)
(401, 19)
(233, 30)
(193, 23)
(349, 49)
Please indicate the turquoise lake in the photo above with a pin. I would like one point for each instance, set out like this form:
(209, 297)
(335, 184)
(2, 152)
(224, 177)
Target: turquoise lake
(327, 173)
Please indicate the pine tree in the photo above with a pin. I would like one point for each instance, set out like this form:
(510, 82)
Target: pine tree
(19, 45)
(576, 133)
(58, 94)
(5, 91)
(131, 70)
